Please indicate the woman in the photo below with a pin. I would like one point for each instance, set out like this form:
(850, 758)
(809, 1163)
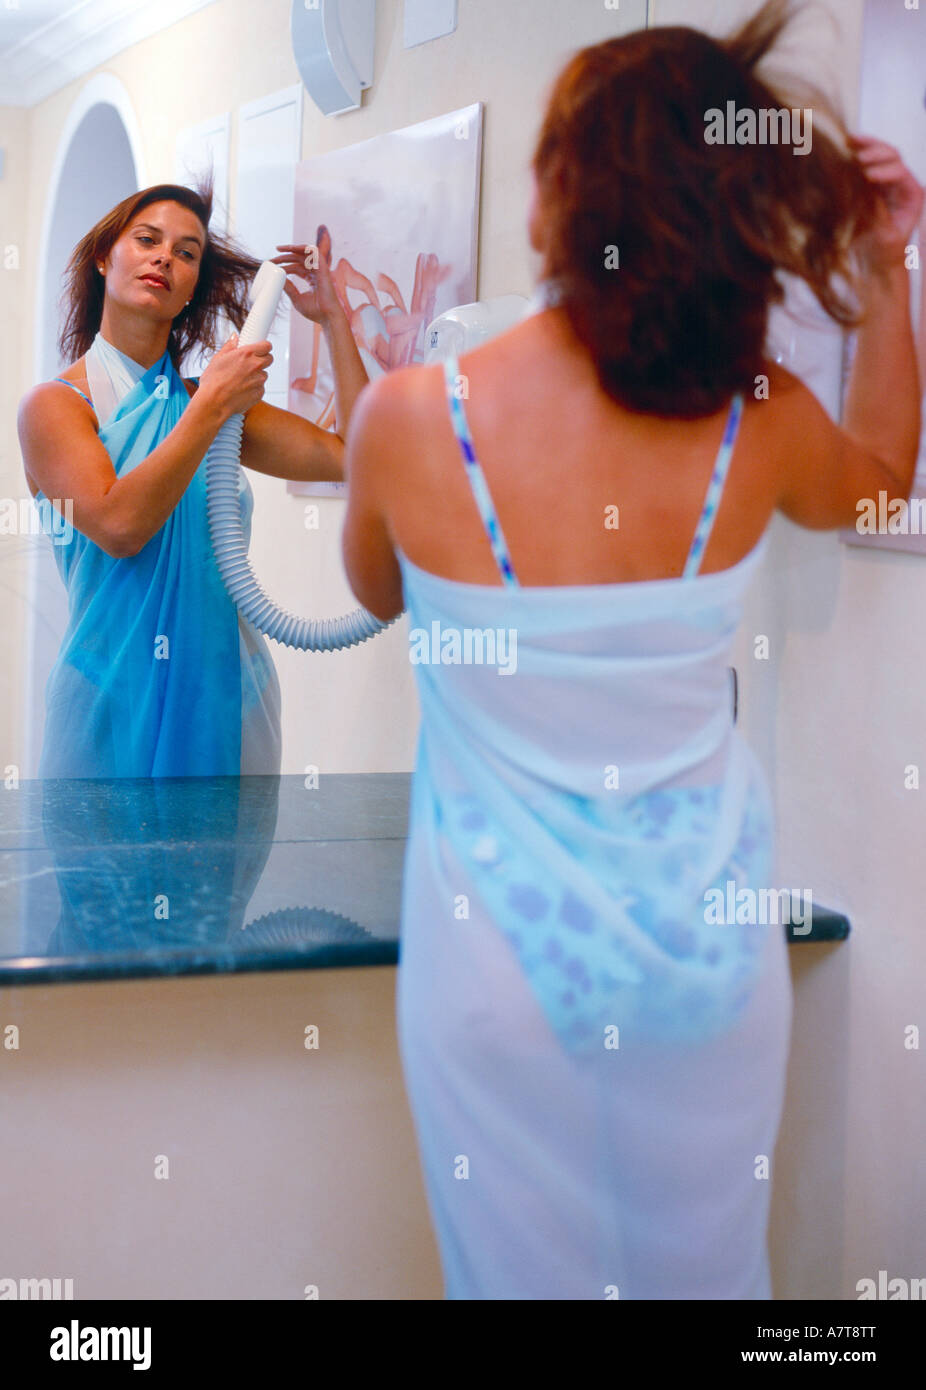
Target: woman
(595, 1063)
(158, 675)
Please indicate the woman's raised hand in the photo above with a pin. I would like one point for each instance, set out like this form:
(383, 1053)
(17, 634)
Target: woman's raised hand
(320, 299)
(235, 378)
(901, 201)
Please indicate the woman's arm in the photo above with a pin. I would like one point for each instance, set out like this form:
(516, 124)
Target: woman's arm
(350, 375)
(885, 369)
(828, 471)
(882, 411)
(284, 445)
(371, 461)
(62, 452)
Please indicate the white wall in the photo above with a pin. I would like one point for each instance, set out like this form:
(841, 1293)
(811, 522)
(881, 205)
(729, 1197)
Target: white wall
(286, 1167)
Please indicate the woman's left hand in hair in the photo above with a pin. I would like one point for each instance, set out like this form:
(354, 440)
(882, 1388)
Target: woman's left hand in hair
(320, 301)
(901, 201)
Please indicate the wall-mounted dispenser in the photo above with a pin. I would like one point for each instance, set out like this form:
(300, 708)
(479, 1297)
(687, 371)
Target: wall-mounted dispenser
(468, 326)
(333, 48)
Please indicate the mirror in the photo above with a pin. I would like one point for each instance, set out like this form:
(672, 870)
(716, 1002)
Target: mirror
(99, 151)
(309, 715)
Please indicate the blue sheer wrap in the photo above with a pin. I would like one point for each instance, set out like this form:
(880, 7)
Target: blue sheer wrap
(148, 679)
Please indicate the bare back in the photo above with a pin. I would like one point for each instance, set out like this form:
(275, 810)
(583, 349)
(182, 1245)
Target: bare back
(558, 456)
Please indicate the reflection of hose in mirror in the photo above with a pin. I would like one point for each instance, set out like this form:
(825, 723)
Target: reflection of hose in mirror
(225, 526)
(317, 926)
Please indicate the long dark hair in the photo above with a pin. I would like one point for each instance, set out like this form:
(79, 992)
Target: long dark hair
(225, 274)
(700, 229)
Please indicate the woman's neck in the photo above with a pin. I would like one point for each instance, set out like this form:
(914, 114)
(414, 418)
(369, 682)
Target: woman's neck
(141, 339)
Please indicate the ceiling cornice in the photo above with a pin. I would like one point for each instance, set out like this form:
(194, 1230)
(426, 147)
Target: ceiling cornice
(79, 39)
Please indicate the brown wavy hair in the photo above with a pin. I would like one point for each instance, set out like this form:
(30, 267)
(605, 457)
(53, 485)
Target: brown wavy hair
(225, 273)
(701, 229)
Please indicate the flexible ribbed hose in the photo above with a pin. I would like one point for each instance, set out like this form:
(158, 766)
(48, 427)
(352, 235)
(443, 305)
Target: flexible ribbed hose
(224, 511)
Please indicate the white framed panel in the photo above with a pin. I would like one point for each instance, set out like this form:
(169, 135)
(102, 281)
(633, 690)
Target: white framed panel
(269, 148)
(200, 147)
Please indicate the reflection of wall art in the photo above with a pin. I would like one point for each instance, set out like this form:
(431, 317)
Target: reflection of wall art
(396, 217)
(892, 106)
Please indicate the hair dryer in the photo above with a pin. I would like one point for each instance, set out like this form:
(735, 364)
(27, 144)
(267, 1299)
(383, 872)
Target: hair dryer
(224, 512)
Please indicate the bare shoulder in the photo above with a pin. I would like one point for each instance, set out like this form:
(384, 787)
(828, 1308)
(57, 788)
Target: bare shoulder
(191, 385)
(391, 426)
(35, 400)
(785, 390)
(780, 376)
(47, 413)
(403, 384)
(397, 398)
(48, 399)
(786, 412)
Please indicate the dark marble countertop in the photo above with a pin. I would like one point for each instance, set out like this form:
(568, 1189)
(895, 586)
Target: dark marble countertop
(132, 877)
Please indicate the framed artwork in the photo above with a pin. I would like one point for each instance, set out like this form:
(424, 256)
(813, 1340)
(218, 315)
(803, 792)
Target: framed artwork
(396, 217)
(892, 106)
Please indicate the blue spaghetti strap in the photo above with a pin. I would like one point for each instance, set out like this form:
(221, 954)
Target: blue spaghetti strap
(487, 510)
(714, 489)
(477, 477)
(73, 388)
